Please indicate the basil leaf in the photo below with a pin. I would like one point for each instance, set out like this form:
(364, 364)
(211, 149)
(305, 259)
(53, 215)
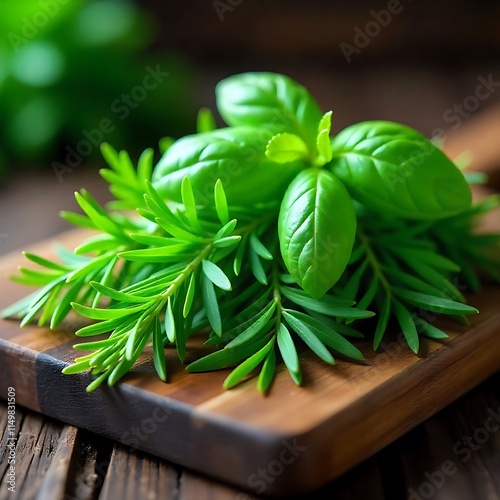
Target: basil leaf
(316, 228)
(236, 156)
(394, 169)
(269, 101)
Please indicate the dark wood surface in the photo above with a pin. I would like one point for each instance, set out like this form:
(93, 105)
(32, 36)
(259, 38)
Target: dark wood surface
(60, 462)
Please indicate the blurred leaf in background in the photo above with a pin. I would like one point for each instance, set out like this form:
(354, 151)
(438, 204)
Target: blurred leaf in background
(76, 73)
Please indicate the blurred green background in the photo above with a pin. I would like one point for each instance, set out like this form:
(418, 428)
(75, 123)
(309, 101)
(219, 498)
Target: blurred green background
(77, 72)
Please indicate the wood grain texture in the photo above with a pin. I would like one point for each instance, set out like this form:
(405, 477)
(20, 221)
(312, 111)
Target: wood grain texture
(457, 453)
(59, 471)
(36, 442)
(103, 470)
(100, 470)
(299, 437)
(132, 476)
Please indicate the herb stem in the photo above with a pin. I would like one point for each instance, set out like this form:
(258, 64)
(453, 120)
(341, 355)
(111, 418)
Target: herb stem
(174, 286)
(374, 263)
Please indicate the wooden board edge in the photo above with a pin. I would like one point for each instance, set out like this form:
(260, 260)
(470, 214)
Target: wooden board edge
(441, 371)
(17, 370)
(177, 432)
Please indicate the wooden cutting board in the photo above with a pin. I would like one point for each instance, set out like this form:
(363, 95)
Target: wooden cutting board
(290, 442)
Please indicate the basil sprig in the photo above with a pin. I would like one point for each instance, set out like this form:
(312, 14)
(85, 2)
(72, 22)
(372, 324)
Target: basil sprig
(390, 168)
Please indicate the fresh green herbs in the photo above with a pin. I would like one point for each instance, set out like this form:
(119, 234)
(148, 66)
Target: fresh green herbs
(271, 238)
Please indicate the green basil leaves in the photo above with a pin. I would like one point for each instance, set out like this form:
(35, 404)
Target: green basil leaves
(220, 207)
(234, 155)
(316, 227)
(393, 169)
(270, 101)
(277, 149)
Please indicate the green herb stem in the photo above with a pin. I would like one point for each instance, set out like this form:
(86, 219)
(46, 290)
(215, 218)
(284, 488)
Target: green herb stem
(374, 263)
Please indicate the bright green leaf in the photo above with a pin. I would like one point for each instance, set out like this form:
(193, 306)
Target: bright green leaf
(240, 372)
(254, 329)
(287, 349)
(393, 169)
(407, 325)
(316, 227)
(188, 302)
(268, 101)
(309, 338)
(285, 148)
(170, 323)
(433, 303)
(211, 305)
(159, 351)
(221, 202)
(267, 373)
(216, 275)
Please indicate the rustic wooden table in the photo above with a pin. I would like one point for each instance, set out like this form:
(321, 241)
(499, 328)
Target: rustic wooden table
(453, 455)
